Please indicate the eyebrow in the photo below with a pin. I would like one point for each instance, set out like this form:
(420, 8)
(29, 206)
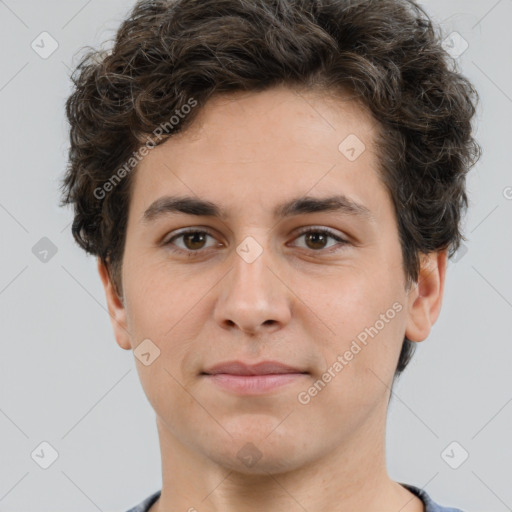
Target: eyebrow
(301, 205)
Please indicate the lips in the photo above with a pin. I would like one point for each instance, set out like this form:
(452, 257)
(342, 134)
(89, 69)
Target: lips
(240, 378)
(262, 368)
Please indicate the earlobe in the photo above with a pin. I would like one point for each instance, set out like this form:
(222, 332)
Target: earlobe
(425, 298)
(116, 308)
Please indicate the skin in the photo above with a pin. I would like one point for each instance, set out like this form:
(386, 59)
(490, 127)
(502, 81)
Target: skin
(295, 303)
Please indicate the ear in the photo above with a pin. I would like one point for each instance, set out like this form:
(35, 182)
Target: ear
(426, 296)
(116, 308)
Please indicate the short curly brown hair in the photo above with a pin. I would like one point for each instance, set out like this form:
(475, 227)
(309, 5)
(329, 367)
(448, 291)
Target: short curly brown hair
(387, 53)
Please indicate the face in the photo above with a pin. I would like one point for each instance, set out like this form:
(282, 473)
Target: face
(316, 286)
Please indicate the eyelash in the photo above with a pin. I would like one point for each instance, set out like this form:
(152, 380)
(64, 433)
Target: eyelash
(190, 253)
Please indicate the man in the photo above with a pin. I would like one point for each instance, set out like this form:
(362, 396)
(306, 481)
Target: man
(273, 189)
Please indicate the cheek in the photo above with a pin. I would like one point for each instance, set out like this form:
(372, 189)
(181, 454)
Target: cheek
(159, 300)
(364, 312)
(334, 308)
(164, 309)
(344, 302)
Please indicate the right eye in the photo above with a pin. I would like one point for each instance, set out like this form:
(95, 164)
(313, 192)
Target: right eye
(193, 240)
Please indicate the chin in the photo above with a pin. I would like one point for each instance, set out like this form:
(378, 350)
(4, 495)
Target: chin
(260, 451)
(251, 460)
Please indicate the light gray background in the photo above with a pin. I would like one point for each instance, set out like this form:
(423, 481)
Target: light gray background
(64, 380)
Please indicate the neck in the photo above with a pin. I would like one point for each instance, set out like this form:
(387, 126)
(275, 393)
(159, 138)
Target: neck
(350, 477)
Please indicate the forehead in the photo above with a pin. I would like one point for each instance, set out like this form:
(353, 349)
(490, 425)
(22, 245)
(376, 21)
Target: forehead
(283, 110)
(278, 143)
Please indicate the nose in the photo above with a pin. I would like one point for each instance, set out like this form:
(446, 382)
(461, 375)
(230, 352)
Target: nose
(253, 297)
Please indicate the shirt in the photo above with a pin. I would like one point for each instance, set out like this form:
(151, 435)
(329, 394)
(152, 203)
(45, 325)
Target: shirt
(430, 505)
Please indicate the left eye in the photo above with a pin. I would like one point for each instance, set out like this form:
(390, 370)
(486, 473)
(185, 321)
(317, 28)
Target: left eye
(320, 236)
(194, 240)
